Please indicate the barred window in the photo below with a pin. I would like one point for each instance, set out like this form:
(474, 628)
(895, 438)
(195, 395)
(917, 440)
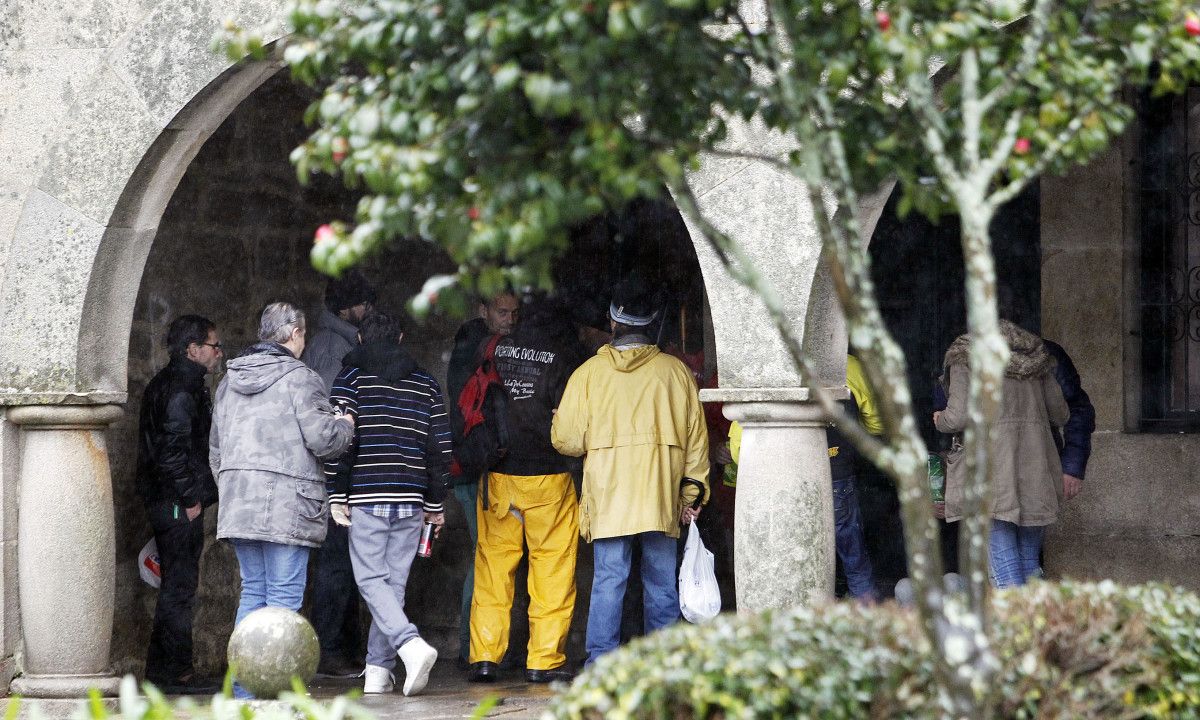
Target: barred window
(1170, 262)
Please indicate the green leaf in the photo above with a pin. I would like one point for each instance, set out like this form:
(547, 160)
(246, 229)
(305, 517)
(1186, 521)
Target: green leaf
(505, 78)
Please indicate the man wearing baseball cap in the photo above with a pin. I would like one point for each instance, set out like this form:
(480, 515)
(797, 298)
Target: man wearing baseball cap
(634, 413)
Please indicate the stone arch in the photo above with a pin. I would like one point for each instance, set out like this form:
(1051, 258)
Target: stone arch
(80, 244)
(139, 110)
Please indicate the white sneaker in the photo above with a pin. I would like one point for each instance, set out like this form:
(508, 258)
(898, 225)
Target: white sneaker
(418, 658)
(378, 680)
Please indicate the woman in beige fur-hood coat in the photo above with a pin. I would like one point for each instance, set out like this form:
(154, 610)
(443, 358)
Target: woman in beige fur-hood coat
(1026, 472)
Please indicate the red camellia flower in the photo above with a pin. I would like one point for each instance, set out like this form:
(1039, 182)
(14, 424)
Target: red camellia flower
(473, 213)
(340, 147)
(325, 233)
(1192, 25)
(883, 20)
(1021, 146)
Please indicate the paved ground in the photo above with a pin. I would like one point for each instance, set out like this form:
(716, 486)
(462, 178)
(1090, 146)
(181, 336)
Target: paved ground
(448, 695)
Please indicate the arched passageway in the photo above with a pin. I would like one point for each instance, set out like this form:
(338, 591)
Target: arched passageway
(917, 267)
(235, 235)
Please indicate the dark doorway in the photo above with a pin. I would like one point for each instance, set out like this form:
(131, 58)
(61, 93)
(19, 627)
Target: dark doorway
(917, 266)
(650, 239)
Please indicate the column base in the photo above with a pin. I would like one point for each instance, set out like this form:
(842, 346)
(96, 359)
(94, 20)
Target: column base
(65, 686)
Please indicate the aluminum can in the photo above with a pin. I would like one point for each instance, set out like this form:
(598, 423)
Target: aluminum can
(425, 548)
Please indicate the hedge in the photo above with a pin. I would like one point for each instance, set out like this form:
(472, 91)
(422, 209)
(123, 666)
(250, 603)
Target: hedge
(1070, 650)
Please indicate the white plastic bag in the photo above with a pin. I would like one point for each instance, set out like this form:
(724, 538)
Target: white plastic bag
(699, 595)
(149, 566)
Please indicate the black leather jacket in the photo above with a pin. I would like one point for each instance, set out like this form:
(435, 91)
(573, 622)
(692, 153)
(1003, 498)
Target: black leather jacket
(173, 437)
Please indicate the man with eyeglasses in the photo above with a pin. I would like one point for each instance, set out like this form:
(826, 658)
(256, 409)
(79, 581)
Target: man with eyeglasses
(176, 484)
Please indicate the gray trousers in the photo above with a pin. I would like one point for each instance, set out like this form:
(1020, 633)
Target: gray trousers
(382, 552)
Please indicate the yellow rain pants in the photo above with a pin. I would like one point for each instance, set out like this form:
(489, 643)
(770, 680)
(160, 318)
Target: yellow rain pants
(549, 523)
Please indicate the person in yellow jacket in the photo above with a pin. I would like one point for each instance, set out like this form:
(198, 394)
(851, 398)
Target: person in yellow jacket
(634, 413)
(864, 396)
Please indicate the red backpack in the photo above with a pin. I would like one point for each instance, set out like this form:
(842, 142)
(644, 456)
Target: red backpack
(483, 404)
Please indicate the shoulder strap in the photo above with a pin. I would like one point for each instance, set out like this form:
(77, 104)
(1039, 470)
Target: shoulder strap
(489, 353)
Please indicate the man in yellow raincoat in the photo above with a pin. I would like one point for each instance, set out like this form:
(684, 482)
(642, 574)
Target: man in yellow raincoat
(634, 413)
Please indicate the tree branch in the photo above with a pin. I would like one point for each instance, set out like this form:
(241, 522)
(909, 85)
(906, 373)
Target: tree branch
(1032, 45)
(1048, 154)
(972, 116)
(1004, 147)
(920, 89)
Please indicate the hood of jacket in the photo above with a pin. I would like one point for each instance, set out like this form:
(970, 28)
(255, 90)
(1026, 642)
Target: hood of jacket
(260, 367)
(629, 359)
(382, 358)
(332, 322)
(1029, 358)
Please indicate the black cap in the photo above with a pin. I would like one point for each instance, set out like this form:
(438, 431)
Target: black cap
(633, 304)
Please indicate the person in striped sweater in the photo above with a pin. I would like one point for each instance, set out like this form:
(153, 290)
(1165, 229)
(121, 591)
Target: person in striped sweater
(391, 482)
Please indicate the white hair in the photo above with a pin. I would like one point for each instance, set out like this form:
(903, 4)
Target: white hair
(278, 321)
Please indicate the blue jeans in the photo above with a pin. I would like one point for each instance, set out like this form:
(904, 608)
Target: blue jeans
(272, 575)
(1014, 553)
(660, 592)
(466, 495)
(848, 538)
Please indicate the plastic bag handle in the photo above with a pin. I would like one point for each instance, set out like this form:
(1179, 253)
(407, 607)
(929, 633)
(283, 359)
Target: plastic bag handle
(699, 486)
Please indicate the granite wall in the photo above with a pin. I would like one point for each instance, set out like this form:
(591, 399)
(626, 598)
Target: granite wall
(1138, 516)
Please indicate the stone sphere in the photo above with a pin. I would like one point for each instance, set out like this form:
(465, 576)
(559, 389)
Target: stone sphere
(269, 648)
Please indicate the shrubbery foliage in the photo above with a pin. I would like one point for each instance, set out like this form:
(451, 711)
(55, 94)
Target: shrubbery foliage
(1076, 650)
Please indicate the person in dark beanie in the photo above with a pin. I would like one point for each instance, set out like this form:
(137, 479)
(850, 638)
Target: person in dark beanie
(176, 484)
(348, 300)
(386, 488)
(334, 610)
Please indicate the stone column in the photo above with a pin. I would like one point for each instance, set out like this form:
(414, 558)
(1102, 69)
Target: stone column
(783, 543)
(65, 550)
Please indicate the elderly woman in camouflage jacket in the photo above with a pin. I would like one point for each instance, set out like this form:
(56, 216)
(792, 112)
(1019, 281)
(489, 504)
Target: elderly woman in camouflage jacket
(273, 425)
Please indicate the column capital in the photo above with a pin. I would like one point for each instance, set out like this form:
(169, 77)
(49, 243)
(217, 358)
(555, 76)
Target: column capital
(64, 417)
(765, 407)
